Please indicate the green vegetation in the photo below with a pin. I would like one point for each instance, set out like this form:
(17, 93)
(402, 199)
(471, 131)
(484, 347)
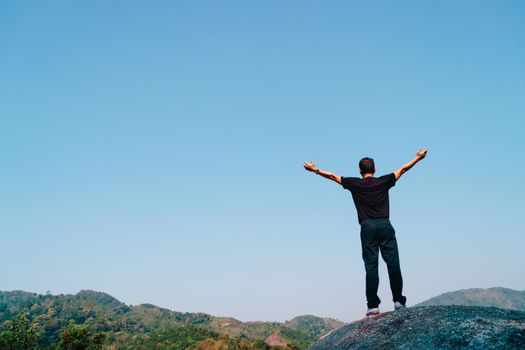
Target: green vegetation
(503, 298)
(93, 320)
(226, 343)
(175, 338)
(301, 339)
(79, 337)
(19, 335)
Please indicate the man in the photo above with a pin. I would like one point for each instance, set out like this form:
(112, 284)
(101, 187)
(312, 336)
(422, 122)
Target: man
(370, 195)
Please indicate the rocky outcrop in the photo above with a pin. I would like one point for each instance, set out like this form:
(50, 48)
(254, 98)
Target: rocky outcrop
(432, 327)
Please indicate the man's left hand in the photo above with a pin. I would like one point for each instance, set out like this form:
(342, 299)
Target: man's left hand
(310, 166)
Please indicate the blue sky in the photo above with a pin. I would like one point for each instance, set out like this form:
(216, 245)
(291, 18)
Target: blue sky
(153, 150)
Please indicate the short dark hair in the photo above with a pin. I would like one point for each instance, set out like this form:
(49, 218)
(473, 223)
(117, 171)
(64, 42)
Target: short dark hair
(367, 166)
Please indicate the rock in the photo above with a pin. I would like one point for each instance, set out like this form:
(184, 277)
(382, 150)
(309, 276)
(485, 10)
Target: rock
(432, 327)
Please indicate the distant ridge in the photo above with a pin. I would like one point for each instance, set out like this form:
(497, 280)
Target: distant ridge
(504, 298)
(126, 324)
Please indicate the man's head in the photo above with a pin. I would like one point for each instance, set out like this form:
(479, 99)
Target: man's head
(367, 166)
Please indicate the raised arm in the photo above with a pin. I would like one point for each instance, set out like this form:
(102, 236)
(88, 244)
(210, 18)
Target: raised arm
(419, 155)
(311, 167)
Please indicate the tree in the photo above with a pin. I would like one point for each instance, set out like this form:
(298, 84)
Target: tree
(19, 335)
(78, 337)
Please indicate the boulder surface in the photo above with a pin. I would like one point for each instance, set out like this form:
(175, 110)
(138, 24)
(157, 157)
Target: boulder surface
(432, 327)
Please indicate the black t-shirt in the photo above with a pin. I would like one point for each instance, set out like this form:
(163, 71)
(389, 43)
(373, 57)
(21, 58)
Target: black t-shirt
(370, 195)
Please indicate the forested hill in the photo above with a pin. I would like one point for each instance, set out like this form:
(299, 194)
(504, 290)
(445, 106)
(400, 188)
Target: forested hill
(504, 298)
(125, 325)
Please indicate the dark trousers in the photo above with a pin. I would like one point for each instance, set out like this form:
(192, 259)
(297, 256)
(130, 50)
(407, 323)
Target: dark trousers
(378, 234)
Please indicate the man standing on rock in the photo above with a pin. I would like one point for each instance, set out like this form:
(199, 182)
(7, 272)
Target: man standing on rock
(370, 196)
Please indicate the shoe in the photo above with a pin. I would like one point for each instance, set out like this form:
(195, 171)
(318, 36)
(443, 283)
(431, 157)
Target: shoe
(399, 306)
(372, 311)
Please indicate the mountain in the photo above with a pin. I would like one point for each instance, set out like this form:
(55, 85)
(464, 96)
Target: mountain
(494, 297)
(313, 324)
(137, 326)
(432, 327)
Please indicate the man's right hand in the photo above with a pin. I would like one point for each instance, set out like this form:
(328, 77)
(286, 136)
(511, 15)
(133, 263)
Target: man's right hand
(421, 154)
